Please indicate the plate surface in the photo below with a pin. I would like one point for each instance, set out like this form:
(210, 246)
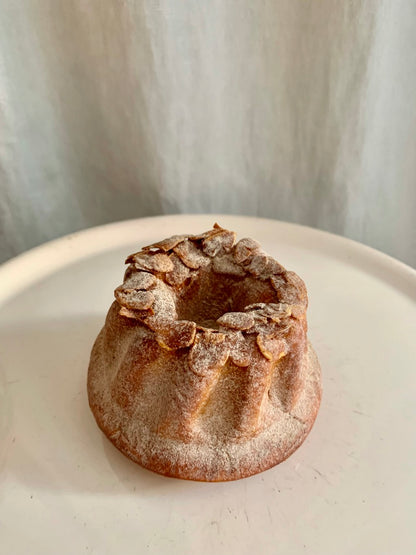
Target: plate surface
(350, 488)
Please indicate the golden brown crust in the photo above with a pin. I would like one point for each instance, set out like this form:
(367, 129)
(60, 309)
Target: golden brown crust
(202, 370)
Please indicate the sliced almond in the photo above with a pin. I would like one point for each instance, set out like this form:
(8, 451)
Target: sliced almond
(180, 272)
(236, 320)
(158, 262)
(178, 335)
(133, 299)
(271, 348)
(190, 255)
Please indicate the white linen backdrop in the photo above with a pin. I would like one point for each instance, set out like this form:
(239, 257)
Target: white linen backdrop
(301, 110)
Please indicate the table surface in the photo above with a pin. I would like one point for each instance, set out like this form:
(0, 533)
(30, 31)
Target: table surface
(350, 488)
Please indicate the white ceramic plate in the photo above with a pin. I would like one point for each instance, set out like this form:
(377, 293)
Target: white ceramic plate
(349, 489)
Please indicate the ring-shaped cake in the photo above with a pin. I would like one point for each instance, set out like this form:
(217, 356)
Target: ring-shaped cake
(203, 369)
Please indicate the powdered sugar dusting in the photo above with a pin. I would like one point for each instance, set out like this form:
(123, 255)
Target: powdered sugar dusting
(201, 403)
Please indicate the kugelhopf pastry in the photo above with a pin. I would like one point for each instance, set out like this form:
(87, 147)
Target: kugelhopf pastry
(203, 369)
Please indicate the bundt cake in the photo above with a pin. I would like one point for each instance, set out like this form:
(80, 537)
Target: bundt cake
(203, 370)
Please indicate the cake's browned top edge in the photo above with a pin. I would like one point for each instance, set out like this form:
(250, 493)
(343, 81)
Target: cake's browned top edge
(157, 273)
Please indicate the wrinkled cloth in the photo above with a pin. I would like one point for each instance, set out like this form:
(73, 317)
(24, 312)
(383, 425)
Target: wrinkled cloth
(294, 110)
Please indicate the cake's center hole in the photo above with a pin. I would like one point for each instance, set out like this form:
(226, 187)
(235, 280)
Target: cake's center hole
(209, 295)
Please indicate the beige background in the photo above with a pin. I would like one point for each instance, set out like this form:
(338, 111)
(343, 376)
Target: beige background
(291, 109)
